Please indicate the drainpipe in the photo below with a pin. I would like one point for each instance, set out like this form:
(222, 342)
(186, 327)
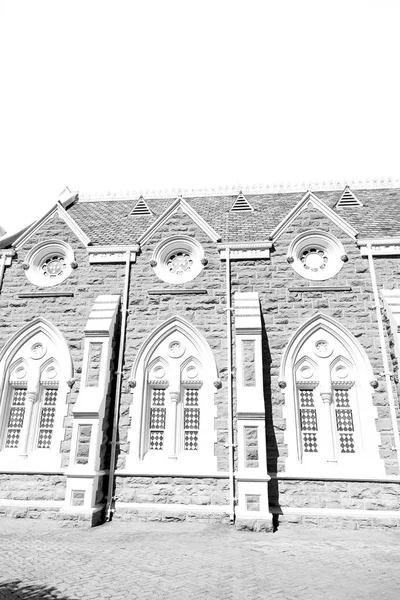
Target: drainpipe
(124, 310)
(383, 351)
(230, 406)
(2, 267)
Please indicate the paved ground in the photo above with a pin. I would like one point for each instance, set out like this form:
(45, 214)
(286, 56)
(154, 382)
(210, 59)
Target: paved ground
(187, 561)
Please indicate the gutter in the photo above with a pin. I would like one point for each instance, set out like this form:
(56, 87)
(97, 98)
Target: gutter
(230, 404)
(383, 352)
(110, 506)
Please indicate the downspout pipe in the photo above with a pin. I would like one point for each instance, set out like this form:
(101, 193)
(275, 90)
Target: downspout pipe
(383, 351)
(2, 268)
(124, 311)
(230, 399)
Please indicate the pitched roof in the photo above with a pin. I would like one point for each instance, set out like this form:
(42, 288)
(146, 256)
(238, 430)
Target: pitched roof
(109, 222)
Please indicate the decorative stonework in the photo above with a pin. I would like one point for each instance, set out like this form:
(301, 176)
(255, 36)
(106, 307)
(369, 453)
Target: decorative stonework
(316, 255)
(49, 263)
(178, 259)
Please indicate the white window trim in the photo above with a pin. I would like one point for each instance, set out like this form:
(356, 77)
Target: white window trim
(177, 243)
(187, 462)
(366, 461)
(321, 239)
(35, 257)
(43, 459)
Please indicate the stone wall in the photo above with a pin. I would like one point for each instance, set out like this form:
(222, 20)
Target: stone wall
(173, 490)
(32, 487)
(284, 311)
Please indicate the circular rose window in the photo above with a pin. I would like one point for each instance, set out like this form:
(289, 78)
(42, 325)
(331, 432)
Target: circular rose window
(316, 255)
(49, 263)
(178, 259)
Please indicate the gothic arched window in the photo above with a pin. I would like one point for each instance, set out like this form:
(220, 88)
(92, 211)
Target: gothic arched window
(173, 406)
(330, 417)
(34, 369)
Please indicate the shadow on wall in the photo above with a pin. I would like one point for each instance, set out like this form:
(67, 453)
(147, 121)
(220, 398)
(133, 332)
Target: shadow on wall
(271, 443)
(17, 590)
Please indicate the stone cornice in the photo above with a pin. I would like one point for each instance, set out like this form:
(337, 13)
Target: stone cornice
(245, 250)
(112, 254)
(380, 246)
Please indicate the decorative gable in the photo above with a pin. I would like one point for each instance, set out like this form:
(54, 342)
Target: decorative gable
(310, 199)
(348, 199)
(241, 204)
(179, 204)
(140, 208)
(60, 211)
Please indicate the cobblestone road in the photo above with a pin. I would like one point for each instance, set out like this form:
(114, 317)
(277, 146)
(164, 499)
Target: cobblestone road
(41, 560)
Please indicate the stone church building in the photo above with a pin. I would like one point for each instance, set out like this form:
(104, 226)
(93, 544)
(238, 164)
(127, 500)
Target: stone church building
(223, 358)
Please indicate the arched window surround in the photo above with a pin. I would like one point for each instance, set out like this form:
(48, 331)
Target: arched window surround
(365, 461)
(34, 459)
(141, 458)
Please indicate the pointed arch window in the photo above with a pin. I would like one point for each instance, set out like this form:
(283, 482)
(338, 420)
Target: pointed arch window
(173, 410)
(34, 369)
(328, 405)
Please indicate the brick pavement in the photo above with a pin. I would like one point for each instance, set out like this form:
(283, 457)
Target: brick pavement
(42, 560)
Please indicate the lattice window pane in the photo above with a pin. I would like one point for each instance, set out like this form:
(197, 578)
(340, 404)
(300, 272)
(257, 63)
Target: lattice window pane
(310, 442)
(342, 398)
(47, 416)
(16, 418)
(191, 397)
(156, 440)
(308, 420)
(191, 419)
(306, 397)
(191, 440)
(346, 443)
(157, 418)
(344, 421)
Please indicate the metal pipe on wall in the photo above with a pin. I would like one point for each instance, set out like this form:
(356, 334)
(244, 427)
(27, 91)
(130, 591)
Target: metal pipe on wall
(124, 311)
(2, 268)
(230, 400)
(383, 352)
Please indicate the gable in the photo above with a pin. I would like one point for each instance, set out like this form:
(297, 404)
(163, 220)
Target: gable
(310, 200)
(57, 211)
(179, 205)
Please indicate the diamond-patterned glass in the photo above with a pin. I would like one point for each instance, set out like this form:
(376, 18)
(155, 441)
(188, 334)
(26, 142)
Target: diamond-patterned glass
(47, 416)
(346, 443)
(342, 398)
(156, 440)
(192, 418)
(192, 397)
(306, 397)
(310, 442)
(191, 440)
(157, 418)
(16, 418)
(344, 419)
(308, 418)
(158, 397)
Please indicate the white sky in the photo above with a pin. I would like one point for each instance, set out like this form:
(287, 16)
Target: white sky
(116, 95)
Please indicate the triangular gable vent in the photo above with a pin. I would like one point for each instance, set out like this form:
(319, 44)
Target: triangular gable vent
(348, 199)
(141, 208)
(241, 204)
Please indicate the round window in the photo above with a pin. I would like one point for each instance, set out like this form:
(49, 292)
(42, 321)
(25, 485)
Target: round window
(316, 255)
(49, 263)
(178, 259)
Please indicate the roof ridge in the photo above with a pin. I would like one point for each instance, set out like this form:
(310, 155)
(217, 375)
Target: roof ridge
(234, 189)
